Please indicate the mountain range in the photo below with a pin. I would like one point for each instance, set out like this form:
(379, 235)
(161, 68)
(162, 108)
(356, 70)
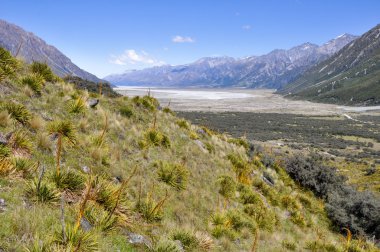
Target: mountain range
(351, 76)
(32, 48)
(272, 70)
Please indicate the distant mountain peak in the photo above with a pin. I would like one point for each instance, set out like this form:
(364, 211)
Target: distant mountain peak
(271, 70)
(34, 48)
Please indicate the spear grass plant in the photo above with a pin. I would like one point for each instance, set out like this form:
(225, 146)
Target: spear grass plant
(17, 112)
(44, 71)
(8, 64)
(63, 130)
(174, 174)
(34, 82)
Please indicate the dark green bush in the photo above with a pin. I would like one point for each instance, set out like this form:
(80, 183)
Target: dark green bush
(346, 207)
(8, 64)
(43, 70)
(126, 111)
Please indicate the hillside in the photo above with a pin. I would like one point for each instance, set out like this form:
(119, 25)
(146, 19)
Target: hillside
(271, 70)
(32, 48)
(351, 76)
(124, 174)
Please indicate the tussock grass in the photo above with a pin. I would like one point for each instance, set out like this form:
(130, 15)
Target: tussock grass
(43, 70)
(175, 175)
(8, 64)
(34, 82)
(17, 112)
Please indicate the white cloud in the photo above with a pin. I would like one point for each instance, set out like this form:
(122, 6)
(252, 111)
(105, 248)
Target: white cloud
(246, 27)
(181, 39)
(131, 57)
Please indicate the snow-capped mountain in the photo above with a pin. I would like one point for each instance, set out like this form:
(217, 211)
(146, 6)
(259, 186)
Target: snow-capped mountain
(272, 70)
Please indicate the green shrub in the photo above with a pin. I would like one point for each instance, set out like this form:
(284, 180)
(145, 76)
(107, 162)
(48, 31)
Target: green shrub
(70, 180)
(17, 112)
(43, 70)
(77, 106)
(34, 81)
(156, 138)
(289, 245)
(126, 111)
(8, 64)
(346, 207)
(41, 192)
(248, 196)
(182, 123)
(76, 240)
(5, 151)
(167, 110)
(227, 186)
(187, 239)
(175, 175)
(239, 142)
(166, 246)
(100, 218)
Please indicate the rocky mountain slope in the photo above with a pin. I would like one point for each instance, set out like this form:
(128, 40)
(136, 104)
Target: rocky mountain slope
(351, 76)
(32, 48)
(272, 70)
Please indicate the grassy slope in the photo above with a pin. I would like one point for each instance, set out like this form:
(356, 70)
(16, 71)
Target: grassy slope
(284, 216)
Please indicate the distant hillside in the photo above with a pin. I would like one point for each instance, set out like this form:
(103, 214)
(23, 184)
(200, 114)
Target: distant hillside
(272, 70)
(34, 48)
(91, 86)
(351, 76)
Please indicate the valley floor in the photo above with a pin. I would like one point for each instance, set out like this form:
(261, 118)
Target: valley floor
(239, 100)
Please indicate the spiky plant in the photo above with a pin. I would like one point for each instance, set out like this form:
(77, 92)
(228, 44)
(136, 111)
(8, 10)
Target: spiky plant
(151, 210)
(187, 238)
(64, 130)
(166, 246)
(43, 70)
(34, 81)
(77, 106)
(155, 138)
(100, 218)
(227, 186)
(8, 64)
(5, 151)
(6, 167)
(20, 140)
(76, 240)
(205, 242)
(241, 168)
(175, 175)
(126, 111)
(17, 112)
(24, 166)
(182, 123)
(70, 180)
(38, 191)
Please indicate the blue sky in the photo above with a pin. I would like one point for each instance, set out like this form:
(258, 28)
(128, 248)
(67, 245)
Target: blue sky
(112, 36)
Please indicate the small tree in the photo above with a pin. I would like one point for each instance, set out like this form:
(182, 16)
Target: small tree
(64, 130)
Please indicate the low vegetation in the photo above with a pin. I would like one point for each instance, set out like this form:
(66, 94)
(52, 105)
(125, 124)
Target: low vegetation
(75, 177)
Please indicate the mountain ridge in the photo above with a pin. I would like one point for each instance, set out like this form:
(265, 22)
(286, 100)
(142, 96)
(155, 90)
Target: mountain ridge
(271, 70)
(33, 48)
(350, 77)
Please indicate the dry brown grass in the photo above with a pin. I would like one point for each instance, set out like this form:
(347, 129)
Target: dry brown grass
(5, 119)
(37, 123)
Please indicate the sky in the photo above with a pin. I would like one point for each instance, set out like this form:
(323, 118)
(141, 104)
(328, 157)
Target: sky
(104, 37)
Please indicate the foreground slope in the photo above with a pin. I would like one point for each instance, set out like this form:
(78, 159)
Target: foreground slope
(271, 70)
(351, 76)
(32, 48)
(83, 172)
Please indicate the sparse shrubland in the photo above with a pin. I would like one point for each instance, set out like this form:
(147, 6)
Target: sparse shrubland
(126, 176)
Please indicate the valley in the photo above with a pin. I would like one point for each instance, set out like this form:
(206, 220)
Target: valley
(347, 135)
